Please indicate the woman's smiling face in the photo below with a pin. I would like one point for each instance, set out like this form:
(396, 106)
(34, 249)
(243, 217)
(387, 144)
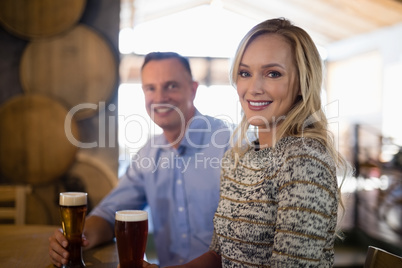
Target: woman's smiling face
(267, 82)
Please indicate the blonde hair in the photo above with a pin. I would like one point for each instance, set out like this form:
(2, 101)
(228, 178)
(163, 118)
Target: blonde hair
(306, 118)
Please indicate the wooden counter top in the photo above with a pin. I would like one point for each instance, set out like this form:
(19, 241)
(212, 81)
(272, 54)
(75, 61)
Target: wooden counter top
(27, 246)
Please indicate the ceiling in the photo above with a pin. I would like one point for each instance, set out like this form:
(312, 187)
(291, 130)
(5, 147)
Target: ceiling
(327, 21)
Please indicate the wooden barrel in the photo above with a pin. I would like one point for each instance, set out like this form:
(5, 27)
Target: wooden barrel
(78, 68)
(93, 175)
(40, 18)
(35, 145)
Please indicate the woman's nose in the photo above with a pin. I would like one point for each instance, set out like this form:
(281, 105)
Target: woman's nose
(256, 86)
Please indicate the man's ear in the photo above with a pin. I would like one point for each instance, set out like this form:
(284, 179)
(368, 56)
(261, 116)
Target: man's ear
(194, 88)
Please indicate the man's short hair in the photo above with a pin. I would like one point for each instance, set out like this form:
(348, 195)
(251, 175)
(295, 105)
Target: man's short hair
(167, 55)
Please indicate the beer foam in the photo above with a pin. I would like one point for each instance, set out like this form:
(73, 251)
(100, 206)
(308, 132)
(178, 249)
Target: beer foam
(131, 215)
(73, 199)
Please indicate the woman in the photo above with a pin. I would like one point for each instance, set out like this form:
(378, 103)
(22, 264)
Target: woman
(279, 194)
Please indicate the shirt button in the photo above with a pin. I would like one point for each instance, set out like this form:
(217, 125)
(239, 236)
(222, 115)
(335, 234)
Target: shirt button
(179, 182)
(184, 235)
(181, 209)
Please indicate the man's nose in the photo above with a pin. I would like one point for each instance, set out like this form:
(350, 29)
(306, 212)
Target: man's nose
(160, 96)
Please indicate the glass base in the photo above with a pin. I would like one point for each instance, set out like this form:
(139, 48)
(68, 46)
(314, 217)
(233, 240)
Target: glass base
(74, 265)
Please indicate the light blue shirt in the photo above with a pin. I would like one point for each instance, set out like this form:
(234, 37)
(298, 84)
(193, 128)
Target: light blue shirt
(180, 186)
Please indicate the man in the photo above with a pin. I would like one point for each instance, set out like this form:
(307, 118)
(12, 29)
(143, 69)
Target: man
(176, 173)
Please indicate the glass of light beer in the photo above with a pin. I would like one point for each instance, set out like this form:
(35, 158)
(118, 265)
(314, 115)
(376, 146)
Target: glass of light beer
(131, 230)
(73, 208)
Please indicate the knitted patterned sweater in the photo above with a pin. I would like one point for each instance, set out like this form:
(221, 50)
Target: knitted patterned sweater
(278, 207)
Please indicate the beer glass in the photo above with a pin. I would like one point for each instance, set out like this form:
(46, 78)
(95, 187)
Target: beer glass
(131, 230)
(73, 208)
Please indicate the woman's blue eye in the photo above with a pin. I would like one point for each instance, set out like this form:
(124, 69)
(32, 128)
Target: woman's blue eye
(244, 74)
(274, 74)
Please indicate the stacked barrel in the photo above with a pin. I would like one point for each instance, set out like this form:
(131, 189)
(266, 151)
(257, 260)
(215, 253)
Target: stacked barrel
(65, 70)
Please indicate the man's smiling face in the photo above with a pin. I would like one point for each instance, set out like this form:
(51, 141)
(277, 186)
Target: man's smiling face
(169, 93)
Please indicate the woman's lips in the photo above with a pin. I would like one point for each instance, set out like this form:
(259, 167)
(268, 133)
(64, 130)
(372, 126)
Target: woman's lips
(258, 105)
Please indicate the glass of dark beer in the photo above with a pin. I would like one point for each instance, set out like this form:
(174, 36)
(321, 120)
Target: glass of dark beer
(131, 230)
(73, 208)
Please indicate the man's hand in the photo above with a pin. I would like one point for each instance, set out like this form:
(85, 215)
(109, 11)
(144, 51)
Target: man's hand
(96, 231)
(57, 248)
(57, 252)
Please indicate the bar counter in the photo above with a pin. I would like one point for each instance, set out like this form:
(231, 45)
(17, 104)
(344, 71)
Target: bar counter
(23, 246)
